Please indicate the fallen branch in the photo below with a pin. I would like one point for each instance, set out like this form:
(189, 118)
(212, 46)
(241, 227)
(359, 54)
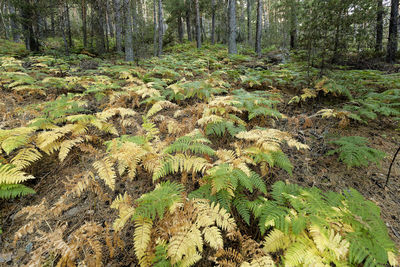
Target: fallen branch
(390, 167)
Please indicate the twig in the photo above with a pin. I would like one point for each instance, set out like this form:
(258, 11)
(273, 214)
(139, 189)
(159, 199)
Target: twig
(390, 167)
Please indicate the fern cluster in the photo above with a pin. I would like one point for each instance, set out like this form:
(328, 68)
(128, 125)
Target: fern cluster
(354, 152)
(311, 227)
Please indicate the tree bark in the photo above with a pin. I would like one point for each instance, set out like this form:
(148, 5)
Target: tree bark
(155, 27)
(118, 25)
(293, 24)
(13, 23)
(258, 28)
(232, 49)
(213, 21)
(379, 26)
(110, 19)
(160, 28)
(249, 22)
(31, 41)
(128, 31)
(188, 26)
(393, 25)
(198, 26)
(99, 26)
(84, 24)
(68, 20)
(63, 28)
(180, 29)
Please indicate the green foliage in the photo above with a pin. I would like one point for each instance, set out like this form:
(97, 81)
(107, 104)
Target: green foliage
(257, 103)
(226, 185)
(12, 49)
(301, 219)
(194, 143)
(156, 202)
(354, 152)
(200, 89)
(14, 190)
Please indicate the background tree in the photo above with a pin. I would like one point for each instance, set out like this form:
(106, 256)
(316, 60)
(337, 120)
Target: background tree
(232, 49)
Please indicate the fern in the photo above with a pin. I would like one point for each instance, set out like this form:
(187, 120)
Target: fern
(157, 201)
(312, 227)
(354, 152)
(194, 142)
(14, 190)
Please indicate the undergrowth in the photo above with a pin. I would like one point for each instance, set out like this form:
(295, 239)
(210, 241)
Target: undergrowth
(200, 126)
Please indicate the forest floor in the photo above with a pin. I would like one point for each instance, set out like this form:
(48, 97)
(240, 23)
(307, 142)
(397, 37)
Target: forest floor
(311, 168)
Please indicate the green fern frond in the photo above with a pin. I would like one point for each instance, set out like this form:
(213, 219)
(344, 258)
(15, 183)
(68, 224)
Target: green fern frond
(354, 152)
(154, 203)
(8, 191)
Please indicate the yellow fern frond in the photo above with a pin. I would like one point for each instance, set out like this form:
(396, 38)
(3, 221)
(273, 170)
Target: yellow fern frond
(106, 171)
(125, 213)
(66, 147)
(276, 240)
(221, 217)
(190, 260)
(12, 175)
(25, 157)
(160, 105)
(185, 243)
(142, 240)
(15, 138)
(212, 235)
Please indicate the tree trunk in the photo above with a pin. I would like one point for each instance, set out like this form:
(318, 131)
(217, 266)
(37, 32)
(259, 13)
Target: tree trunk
(213, 21)
(13, 23)
(118, 25)
(128, 31)
(52, 22)
(379, 26)
(63, 28)
(160, 28)
(99, 26)
(188, 26)
(31, 41)
(3, 21)
(68, 25)
(232, 49)
(392, 41)
(258, 28)
(155, 27)
(198, 27)
(84, 24)
(180, 29)
(249, 40)
(110, 19)
(293, 24)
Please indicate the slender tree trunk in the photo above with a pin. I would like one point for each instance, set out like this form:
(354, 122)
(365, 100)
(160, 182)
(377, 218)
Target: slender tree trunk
(160, 28)
(68, 20)
(99, 26)
(393, 25)
(155, 27)
(293, 24)
(198, 27)
(180, 29)
(128, 31)
(31, 41)
(232, 49)
(213, 21)
(52, 22)
(249, 40)
(379, 26)
(13, 23)
(84, 24)
(110, 19)
(118, 25)
(258, 28)
(188, 26)
(3, 21)
(63, 25)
